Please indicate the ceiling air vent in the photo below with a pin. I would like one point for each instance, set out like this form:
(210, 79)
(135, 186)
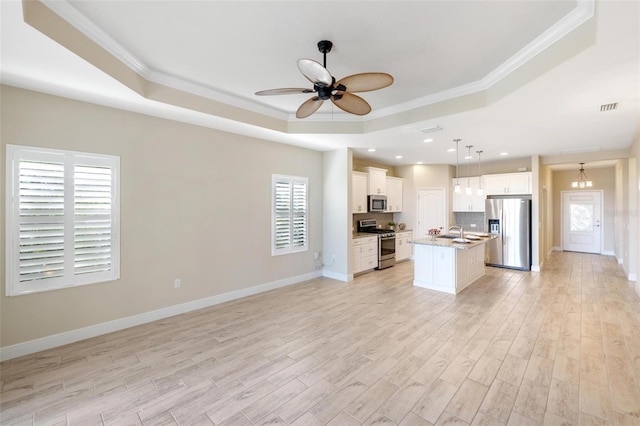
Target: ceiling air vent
(430, 129)
(608, 107)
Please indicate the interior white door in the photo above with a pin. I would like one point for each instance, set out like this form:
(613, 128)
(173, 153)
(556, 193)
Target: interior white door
(581, 221)
(432, 211)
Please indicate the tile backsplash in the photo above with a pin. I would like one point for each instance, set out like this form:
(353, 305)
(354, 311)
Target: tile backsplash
(465, 220)
(382, 218)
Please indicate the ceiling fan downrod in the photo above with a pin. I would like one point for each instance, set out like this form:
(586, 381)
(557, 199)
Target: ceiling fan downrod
(324, 46)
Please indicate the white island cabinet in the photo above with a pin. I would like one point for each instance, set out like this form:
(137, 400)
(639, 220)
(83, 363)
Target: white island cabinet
(446, 266)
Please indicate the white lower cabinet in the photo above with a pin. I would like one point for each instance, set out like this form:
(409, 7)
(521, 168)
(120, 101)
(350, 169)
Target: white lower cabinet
(404, 248)
(365, 254)
(447, 269)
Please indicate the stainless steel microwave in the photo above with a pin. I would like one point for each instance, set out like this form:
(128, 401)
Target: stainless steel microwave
(377, 203)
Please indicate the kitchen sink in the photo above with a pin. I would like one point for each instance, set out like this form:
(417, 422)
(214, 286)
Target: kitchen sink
(449, 236)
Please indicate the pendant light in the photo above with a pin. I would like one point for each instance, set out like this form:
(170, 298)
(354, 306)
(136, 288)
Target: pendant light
(456, 187)
(480, 191)
(469, 190)
(583, 181)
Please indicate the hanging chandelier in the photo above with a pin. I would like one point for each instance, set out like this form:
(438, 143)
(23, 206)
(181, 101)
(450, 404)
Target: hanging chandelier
(582, 181)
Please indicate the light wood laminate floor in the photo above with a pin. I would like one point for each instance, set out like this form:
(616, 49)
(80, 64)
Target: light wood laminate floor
(559, 347)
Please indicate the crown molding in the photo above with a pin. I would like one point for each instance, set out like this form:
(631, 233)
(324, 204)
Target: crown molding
(70, 14)
(584, 11)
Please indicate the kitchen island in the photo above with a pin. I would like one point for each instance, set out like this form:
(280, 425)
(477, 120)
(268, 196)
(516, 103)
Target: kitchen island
(446, 265)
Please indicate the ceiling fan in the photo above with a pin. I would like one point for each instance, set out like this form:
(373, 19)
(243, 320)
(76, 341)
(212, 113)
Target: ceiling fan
(326, 87)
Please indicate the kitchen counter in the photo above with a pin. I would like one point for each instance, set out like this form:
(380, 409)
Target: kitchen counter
(447, 242)
(444, 265)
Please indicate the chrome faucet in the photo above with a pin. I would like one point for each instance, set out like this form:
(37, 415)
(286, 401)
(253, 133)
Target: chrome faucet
(456, 228)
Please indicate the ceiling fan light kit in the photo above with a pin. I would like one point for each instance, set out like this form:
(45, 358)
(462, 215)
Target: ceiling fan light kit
(326, 87)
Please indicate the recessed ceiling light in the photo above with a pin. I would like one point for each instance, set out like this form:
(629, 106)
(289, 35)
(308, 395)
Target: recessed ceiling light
(428, 140)
(504, 153)
(451, 150)
(398, 157)
(371, 150)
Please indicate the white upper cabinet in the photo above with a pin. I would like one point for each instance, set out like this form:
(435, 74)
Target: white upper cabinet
(359, 192)
(377, 180)
(394, 194)
(464, 202)
(507, 183)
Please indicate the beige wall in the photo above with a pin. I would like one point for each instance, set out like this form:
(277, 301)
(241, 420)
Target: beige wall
(546, 211)
(421, 176)
(195, 205)
(603, 179)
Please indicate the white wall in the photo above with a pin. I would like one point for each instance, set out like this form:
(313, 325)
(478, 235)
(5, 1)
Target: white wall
(337, 254)
(195, 205)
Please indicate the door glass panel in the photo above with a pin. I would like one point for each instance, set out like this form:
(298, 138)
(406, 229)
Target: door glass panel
(581, 217)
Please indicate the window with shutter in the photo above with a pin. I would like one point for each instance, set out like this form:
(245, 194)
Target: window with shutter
(62, 219)
(290, 214)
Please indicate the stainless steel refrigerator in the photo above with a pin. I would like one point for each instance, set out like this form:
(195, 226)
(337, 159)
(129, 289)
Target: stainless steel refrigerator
(509, 219)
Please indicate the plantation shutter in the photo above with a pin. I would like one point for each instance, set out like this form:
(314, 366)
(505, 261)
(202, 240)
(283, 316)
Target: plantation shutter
(41, 221)
(290, 214)
(299, 214)
(62, 219)
(92, 224)
(282, 215)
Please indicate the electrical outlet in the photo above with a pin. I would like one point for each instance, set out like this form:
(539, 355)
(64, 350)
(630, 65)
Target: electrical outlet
(316, 255)
(177, 283)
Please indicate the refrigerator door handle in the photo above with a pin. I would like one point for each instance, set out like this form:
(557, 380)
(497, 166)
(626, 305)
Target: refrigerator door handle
(502, 228)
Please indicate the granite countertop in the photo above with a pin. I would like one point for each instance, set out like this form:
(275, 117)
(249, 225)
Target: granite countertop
(447, 242)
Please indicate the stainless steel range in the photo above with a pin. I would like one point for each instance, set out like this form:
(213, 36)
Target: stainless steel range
(386, 242)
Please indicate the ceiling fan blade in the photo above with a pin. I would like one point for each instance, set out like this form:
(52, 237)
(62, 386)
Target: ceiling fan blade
(315, 72)
(284, 91)
(351, 103)
(366, 81)
(309, 107)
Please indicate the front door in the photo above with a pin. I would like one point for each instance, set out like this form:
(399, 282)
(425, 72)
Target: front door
(432, 211)
(582, 221)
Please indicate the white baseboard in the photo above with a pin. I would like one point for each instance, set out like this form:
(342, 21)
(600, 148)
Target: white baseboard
(536, 268)
(632, 277)
(620, 260)
(337, 276)
(48, 342)
(609, 253)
